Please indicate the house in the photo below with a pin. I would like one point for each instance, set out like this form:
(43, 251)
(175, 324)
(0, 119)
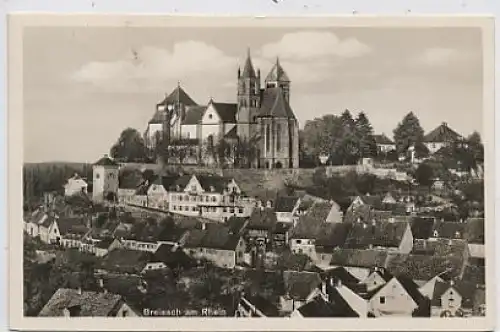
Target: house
(448, 230)
(103, 247)
(384, 143)
(378, 277)
(143, 236)
(75, 185)
(440, 137)
(286, 208)
(255, 306)
(474, 234)
(329, 238)
(77, 303)
(375, 201)
(365, 213)
(72, 231)
(422, 227)
(298, 287)
(400, 296)
(158, 192)
(216, 243)
(359, 262)
(340, 273)
(280, 236)
(428, 287)
(125, 261)
(394, 236)
(43, 225)
(453, 299)
(170, 256)
(320, 307)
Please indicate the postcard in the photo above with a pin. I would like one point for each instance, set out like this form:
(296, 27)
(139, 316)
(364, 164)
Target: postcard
(195, 173)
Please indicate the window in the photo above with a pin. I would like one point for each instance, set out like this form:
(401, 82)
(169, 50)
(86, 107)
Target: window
(210, 116)
(278, 137)
(97, 176)
(193, 188)
(214, 199)
(224, 209)
(298, 241)
(268, 138)
(232, 210)
(180, 198)
(240, 210)
(382, 300)
(193, 208)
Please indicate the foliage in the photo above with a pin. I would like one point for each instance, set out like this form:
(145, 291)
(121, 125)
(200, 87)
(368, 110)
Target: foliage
(424, 175)
(130, 147)
(408, 133)
(364, 134)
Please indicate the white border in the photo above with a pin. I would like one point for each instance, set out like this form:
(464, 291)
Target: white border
(17, 22)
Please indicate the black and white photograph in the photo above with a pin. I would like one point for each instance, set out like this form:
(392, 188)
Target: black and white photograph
(194, 169)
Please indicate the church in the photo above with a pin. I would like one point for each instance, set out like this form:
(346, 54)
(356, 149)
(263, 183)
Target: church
(262, 117)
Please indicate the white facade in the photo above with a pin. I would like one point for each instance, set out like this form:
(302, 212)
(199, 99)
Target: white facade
(75, 185)
(392, 300)
(433, 147)
(105, 181)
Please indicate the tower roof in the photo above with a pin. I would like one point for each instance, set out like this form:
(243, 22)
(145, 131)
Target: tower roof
(248, 70)
(178, 96)
(277, 73)
(105, 161)
(274, 104)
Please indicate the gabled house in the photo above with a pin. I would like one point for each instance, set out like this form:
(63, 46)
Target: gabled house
(329, 238)
(255, 306)
(75, 185)
(260, 229)
(43, 225)
(359, 262)
(440, 137)
(77, 303)
(384, 143)
(216, 243)
(378, 277)
(125, 261)
(320, 307)
(394, 236)
(400, 296)
(103, 247)
(286, 208)
(158, 192)
(72, 231)
(452, 299)
(298, 287)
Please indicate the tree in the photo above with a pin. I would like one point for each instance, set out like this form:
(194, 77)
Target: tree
(245, 151)
(424, 175)
(364, 133)
(408, 133)
(130, 147)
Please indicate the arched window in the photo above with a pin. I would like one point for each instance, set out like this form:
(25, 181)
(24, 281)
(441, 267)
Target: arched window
(268, 138)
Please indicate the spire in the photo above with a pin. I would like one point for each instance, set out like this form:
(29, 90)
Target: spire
(248, 70)
(277, 73)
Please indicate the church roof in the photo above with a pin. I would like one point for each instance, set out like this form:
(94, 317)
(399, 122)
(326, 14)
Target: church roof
(248, 70)
(274, 104)
(443, 133)
(194, 115)
(178, 95)
(277, 73)
(226, 111)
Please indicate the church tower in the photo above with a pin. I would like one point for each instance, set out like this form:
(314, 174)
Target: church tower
(105, 180)
(277, 78)
(248, 97)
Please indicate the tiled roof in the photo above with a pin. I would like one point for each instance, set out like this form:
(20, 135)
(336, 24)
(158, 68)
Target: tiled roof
(335, 307)
(181, 182)
(285, 203)
(227, 111)
(74, 226)
(449, 229)
(105, 243)
(440, 247)
(442, 133)
(125, 261)
(411, 288)
(387, 234)
(474, 230)
(215, 236)
(264, 219)
(106, 161)
(261, 304)
(466, 289)
(365, 213)
(209, 181)
(475, 274)
(310, 224)
(422, 227)
(193, 115)
(91, 304)
(233, 133)
(382, 139)
(166, 181)
(424, 267)
(332, 236)
(237, 224)
(143, 231)
(298, 285)
(178, 95)
(340, 273)
(274, 104)
(359, 258)
(277, 73)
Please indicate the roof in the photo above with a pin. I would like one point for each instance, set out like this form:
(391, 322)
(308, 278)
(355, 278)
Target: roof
(217, 182)
(215, 236)
(365, 213)
(90, 303)
(178, 95)
(310, 224)
(383, 139)
(424, 267)
(466, 289)
(105, 243)
(274, 104)
(182, 181)
(440, 247)
(449, 229)
(106, 161)
(248, 70)
(227, 111)
(264, 219)
(260, 303)
(411, 288)
(125, 260)
(277, 73)
(143, 231)
(193, 115)
(74, 226)
(340, 273)
(474, 230)
(166, 181)
(233, 133)
(421, 227)
(298, 285)
(384, 234)
(442, 133)
(285, 203)
(171, 256)
(236, 224)
(318, 307)
(359, 258)
(332, 236)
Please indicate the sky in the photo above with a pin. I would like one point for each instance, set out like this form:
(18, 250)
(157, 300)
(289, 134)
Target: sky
(84, 85)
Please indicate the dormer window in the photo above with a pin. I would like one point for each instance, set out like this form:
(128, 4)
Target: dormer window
(436, 234)
(457, 235)
(210, 116)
